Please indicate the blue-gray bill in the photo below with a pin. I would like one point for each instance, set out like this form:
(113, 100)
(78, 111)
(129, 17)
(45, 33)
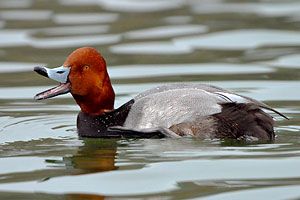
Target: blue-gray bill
(59, 74)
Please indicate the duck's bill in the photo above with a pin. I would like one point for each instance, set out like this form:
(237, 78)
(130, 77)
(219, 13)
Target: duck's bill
(59, 74)
(62, 88)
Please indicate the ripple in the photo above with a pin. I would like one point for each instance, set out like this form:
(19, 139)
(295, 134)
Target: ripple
(74, 30)
(240, 39)
(274, 9)
(9, 67)
(15, 3)
(32, 164)
(39, 107)
(11, 38)
(190, 149)
(178, 19)
(274, 193)
(153, 48)
(261, 90)
(129, 5)
(138, 71)
(289, 61)
(26, 15)
(36, 127)
(264, 90)
(289, 128)
(24, 92)
(85, 18)
(168, 174)
(74, 41)
(140, 6)
(78, 2)
(166, 31)
(216, 154)
(2, 24)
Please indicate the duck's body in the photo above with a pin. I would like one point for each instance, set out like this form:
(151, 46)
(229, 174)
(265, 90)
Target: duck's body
(176, 110)
(172, 110)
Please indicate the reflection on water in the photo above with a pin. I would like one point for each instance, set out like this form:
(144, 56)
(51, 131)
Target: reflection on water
(26, 15)
(75, 30)
(11, 38)
(136, 71)
(249, 47)
(151, 48)
(11, 67)
(130, 5)
(74, 41)
(289, 61)
(166, 31)
(201, 164)
(16, 4)
(241, 39)
(178, 19)
(85, 18)
(269, 9)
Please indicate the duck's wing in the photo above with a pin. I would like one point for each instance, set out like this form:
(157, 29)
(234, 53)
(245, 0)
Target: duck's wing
(235, 98)
(171, 106)
(223, 95)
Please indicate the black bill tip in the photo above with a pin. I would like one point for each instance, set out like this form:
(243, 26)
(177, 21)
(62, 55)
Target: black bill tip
(41, 70)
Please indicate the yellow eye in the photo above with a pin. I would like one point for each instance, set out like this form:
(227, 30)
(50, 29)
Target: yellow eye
(86, 67)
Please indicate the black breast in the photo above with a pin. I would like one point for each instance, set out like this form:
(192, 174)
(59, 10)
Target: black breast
(97, 126)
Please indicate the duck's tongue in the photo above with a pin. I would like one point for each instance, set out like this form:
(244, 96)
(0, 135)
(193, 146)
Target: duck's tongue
(62, 88)
(59, 74)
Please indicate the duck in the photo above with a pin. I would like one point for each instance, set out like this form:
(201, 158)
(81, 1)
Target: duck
(167, 111)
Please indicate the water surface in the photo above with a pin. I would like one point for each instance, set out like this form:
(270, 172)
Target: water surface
(252, 48)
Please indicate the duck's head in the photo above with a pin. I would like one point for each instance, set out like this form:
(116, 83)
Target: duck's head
(85, 76)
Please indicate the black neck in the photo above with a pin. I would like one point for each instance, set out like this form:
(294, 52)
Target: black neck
(97, 126)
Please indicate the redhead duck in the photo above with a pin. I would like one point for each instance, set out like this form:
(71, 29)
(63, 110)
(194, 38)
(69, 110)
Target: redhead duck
(172, 110)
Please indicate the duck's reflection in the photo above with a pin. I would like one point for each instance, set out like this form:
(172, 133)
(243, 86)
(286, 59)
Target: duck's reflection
(91, 156)
(96, 155)
(45, 196)
(84, 196)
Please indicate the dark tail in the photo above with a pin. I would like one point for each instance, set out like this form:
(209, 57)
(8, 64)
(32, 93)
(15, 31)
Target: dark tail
(242, 121)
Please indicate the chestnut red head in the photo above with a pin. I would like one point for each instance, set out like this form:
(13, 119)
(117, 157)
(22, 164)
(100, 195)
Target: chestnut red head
(84, 74)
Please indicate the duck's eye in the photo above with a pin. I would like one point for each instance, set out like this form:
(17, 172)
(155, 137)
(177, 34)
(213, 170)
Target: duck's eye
(86, 67)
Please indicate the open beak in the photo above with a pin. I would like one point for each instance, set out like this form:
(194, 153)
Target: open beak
(59, 74)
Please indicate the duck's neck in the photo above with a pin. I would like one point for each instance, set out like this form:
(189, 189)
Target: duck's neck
(101, 99)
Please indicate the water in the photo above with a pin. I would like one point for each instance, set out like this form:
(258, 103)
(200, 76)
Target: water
(252, 48)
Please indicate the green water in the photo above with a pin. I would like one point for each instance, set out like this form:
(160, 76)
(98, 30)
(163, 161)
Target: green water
(250, 47)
